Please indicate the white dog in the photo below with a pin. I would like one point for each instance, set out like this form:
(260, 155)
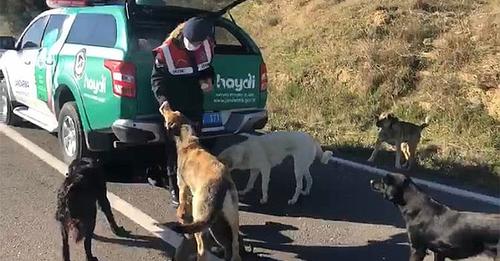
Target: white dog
(261, 153)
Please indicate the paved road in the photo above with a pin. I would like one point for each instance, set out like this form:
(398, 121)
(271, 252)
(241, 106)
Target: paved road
(342, 219)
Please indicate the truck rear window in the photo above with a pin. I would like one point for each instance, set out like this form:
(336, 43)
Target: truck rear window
(149, 36)
(196, 4)
(94, 30)
(228, 43)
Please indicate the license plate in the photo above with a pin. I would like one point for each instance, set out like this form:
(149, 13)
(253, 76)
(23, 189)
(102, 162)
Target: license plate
(212, 119)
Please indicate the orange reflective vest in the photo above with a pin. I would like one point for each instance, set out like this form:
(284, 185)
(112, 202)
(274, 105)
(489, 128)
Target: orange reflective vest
(178, 60)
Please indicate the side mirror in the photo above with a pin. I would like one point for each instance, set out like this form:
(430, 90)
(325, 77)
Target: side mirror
(7, 42)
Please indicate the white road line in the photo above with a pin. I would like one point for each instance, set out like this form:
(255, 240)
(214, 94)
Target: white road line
(120, 205)
(436, 186)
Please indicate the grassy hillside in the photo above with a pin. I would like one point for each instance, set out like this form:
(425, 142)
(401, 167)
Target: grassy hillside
(4, 28)
(336, 64)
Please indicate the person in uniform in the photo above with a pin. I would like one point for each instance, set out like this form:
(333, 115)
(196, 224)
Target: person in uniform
(182, 73)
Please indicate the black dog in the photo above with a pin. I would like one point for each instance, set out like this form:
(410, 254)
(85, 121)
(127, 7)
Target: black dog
(76, 205)
(431, 225)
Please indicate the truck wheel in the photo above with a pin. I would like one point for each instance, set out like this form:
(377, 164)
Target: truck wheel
(6, 115)
(70, 134)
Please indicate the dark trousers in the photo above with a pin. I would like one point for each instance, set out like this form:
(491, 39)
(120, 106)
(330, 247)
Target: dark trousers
(171, 153)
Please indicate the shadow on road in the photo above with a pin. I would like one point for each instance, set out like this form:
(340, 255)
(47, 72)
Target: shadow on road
(270, 237)
(140, 241)
(337, 194)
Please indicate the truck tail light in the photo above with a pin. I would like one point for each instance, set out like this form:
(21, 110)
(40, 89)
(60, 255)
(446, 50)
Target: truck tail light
(78, 3)
(263, 77)
(67, 3)
(123, 75)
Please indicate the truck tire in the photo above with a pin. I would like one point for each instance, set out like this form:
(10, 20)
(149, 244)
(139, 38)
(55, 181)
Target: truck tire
(70, 133)
(7, 115)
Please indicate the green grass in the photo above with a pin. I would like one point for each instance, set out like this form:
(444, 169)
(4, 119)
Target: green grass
(334, 65)
(4, 29)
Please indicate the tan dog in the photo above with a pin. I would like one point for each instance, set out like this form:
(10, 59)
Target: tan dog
(405, 136)
(206, 190)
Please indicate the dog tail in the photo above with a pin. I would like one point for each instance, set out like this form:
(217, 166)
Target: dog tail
(324, 156)
(194, 227)
(214, 208)
(426, 122)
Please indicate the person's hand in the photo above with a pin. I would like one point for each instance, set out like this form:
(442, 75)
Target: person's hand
(163, 106)
(206, 85)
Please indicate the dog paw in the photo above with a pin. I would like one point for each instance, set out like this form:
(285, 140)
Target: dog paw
(292, 201)
(305, 192)
(180, 212)
(370, 160)
(121, 232)
(263, 201)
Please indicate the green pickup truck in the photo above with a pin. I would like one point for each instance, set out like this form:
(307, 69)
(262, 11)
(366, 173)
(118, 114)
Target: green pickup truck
(82, 69)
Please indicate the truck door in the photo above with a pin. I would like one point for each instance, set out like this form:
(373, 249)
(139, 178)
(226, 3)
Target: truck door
(22, 76)
(51, 45)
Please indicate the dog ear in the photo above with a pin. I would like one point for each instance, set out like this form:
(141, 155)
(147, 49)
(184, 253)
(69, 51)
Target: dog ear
(406, 182)
(392, 117)
(389, 179)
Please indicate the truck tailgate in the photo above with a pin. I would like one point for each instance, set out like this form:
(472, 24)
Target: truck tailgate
(236, 84)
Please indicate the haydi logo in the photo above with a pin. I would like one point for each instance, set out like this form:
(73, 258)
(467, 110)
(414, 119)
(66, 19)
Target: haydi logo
(236, 84)
(96, 86)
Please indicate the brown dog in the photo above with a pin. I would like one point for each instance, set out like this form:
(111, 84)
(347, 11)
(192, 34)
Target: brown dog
(207, 193)
(405, 136)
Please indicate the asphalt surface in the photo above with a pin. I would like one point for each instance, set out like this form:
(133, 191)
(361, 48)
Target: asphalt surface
(342, 219)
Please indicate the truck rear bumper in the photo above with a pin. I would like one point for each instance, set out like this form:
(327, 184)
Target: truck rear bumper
(151, 129)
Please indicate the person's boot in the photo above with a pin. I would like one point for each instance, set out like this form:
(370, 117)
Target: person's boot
(174, 198)
(174, 191)
(158, 177)
(154, 176)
